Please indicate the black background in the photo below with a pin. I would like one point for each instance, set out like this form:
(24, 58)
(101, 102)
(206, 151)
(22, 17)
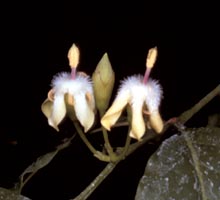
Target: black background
(35, 42)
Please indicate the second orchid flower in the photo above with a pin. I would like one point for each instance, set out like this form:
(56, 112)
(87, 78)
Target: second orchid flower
(144, 95)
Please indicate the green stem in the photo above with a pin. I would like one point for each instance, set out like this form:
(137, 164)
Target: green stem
(84, 138)
(124, 151)
(118, 124)
(185, 116)
(195, 159)
(108, 146)
(150, 135)
(96, 182)
(96, 153)
(26, 180)
(128, 138)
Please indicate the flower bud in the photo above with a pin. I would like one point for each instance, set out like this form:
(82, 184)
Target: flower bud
(103, 82)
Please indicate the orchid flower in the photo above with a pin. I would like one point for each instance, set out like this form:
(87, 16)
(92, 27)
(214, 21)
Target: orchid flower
(143, 94)
(72, 94)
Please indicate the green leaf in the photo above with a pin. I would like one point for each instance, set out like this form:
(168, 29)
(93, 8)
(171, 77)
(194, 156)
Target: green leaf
(32, 169)
(185, 167)
(11, 195)
(41, 162)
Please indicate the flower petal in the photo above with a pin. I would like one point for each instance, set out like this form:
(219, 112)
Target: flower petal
(154, 95)
(114, 112)
(58, 111)
(137, 122)
(156, 122)
(84, 109)
(47, 107)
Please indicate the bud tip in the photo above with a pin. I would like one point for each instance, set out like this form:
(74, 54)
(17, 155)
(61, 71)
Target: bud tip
(151, 57)
(73, 56)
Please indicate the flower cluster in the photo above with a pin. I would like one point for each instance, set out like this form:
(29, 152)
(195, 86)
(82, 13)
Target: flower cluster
(77, 95)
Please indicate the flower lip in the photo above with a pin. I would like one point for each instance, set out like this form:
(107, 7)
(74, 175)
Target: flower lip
(63, 83)
(149, 93)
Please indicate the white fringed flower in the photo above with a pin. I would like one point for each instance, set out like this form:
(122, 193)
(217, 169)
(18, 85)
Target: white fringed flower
(138, 95)
(80, 95)
(77, 87)
(144, 95)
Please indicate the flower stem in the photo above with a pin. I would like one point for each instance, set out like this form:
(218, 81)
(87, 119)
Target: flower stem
(96, 153)
(128, 138)
(73, 73)
(118, 124)
(124, 150)
(96, 182)
(146, 75)
(185, 116)
(108, 146)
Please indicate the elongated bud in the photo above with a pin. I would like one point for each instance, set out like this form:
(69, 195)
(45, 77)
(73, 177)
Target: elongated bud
(103, 82)
(73, 56)
(151, 57)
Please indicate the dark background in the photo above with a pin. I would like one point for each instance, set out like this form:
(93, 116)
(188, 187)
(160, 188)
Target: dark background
(35, 42)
